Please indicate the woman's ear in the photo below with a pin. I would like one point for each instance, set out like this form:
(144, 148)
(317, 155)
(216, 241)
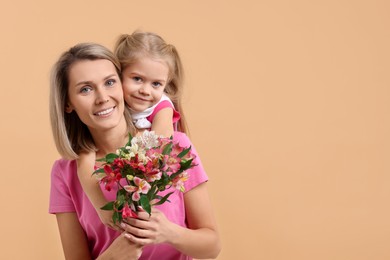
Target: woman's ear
(68, 108)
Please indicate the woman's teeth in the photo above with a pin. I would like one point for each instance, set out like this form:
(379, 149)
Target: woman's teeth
(104, 112)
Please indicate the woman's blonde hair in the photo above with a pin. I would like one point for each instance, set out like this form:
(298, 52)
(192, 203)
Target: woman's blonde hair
(71, 135)
(130, 48)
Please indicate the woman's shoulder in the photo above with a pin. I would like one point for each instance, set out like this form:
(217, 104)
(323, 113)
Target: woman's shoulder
(182, 138)
(63, 166)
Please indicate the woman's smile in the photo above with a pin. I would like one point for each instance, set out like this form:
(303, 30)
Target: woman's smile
(105, 113)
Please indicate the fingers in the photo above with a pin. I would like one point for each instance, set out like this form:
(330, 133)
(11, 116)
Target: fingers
(137, 240)
(136, 235)
(137, 232)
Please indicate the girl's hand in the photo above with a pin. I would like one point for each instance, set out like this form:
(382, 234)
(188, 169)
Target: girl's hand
(146, 230)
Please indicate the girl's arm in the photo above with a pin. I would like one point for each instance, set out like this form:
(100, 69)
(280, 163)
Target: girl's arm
(75, 244)
(199, 240)
(162, 122)
(91, 187)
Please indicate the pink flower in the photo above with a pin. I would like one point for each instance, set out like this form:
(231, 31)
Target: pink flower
(142, 186)
(127, 212)
(172, 163)
(177, 149)
(178, 182)
(154, 154)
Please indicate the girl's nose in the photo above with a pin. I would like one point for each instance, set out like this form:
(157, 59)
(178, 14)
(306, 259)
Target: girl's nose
(144, 90)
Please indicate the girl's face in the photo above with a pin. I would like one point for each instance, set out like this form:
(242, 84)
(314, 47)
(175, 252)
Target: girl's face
(144, 83)
(95, 93)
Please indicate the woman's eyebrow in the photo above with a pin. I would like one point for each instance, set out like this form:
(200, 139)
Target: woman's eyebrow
(83, 83)
(86, 82)
(110, 76)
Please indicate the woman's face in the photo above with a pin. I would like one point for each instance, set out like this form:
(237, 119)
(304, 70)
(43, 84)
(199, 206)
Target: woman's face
(95, 94)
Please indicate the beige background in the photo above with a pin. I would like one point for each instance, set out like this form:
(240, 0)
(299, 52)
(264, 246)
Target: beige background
(287, 101)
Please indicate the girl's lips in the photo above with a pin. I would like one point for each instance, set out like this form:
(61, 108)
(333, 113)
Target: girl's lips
(145, 100)
(104, 112)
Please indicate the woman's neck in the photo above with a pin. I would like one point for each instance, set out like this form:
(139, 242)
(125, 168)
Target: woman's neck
(110, 140)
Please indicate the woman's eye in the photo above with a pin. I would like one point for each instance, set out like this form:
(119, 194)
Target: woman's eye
(85, 89)
(110, 82)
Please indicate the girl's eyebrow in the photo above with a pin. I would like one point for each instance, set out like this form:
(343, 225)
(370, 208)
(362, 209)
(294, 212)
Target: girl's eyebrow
(136, 73)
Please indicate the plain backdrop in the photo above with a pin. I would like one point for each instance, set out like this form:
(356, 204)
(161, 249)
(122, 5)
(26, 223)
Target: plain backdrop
(287, 103)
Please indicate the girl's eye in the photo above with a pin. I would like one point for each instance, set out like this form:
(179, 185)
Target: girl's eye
(110, 82)
(85, 89)
(137, 79)
(156, 84)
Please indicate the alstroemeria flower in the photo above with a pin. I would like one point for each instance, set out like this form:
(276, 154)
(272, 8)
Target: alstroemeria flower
(141, 186)
(111, 177)
(147, 161)
(148, 140)
(178, 182)
(172, 163)
(127, 212)
(152, 173)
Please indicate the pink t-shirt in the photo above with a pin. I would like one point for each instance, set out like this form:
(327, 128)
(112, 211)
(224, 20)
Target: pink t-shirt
(67, 195)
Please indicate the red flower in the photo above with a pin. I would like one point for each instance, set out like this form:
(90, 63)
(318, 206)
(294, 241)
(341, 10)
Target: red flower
(111, 177)
(127, 212)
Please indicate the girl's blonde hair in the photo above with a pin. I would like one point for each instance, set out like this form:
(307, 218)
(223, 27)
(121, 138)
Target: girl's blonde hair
(130, 48)
(71, 135)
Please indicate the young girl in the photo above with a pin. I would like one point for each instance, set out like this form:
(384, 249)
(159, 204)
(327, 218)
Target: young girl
(152, 76)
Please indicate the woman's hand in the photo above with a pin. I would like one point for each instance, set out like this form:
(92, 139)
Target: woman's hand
(122, 249)
(106, 218)
(146, 230)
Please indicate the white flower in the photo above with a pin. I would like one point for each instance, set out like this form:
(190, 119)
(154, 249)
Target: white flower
(133, 149)
(147, 140)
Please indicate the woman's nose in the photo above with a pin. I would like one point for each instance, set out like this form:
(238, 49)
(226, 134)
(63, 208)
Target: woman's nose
(101, 97)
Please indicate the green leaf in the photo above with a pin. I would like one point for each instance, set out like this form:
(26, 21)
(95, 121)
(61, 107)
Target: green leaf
(108, 206)
(111, 157)
(167, 149)
(145, 204)
(100, 170)
(130, 138)
(151, 192)
(184, 152)
(116, 217)
(186, 164)
(163, 199)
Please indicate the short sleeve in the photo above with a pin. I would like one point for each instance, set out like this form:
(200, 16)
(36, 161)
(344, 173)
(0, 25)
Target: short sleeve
(197, 174)
(162, 105)
(60, 197)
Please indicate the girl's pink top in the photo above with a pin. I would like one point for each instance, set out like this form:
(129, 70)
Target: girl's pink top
(162, 105)
(67, 195)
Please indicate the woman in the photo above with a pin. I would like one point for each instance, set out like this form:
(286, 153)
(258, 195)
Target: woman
(88, 114)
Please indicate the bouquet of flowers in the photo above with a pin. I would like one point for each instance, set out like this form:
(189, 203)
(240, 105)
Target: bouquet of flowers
(147, 165)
